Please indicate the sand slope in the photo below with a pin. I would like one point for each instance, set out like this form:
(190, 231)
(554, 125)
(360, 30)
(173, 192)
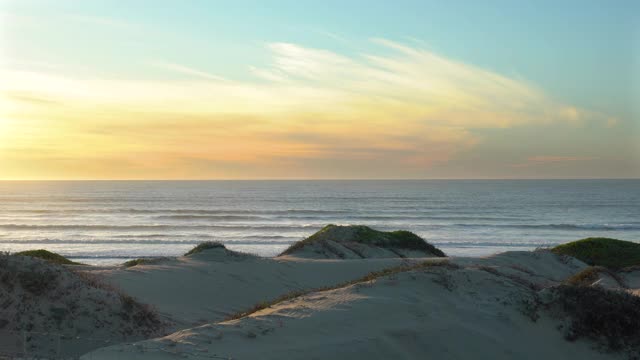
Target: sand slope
(480, 310)
(211, 285)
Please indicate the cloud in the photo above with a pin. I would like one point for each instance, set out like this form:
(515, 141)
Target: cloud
(543, 160)
(29, 99)
(431, 86)
(334, 36)
(612, 122)
(401, 110)
(187, 70)
(560, 158)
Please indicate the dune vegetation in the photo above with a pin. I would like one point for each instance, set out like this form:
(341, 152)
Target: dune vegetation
(361, 234)
(610, 253)
(591, 274)
(608, 317)
(143, 261)
(71, 306)
(48, 256)
(205, 246)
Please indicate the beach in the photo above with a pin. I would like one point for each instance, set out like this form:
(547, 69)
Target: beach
(318, 302)
(361, 180)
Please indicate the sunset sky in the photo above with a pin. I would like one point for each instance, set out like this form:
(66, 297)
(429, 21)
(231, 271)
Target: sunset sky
(319, 89)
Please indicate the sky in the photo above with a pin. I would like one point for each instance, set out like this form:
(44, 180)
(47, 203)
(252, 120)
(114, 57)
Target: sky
(319, 89)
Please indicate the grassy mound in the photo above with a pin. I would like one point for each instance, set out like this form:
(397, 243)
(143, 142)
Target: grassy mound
(39, 296)
(205, 246)
(611, 253)
(143, 261)
(365, 235)
(47, 255)
(611, 318)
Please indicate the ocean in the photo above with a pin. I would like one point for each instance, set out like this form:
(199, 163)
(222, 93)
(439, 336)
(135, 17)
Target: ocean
(108, 222)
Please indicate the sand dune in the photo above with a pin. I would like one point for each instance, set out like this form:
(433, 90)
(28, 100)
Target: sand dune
(209, 286)
(216, 303)
(479, 307)
(46, 308)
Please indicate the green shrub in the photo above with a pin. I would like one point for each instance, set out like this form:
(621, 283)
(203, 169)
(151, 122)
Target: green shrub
(205, 246)
(611, 253)
(47, 255)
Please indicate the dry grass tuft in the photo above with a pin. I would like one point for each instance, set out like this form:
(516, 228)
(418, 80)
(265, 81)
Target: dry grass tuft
(610, 318)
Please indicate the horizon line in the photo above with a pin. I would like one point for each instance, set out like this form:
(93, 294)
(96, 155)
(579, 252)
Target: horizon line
(310, 179)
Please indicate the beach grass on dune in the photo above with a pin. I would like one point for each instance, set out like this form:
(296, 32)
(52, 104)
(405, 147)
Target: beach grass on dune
(204, 246)
(610, 253)
(363, 234)
(143, 261)
(47, 255)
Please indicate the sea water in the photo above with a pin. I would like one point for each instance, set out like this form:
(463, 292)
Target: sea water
(107, 222)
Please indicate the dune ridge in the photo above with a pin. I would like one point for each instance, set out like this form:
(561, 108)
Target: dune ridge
(500, 307)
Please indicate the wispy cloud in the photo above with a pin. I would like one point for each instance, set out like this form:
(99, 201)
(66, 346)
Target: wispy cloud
(186, 70)
(544, 160)
(334, 36)
(308, 108)
(612, 122)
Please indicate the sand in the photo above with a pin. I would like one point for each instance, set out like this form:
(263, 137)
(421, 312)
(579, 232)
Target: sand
(632, 280)
(482, 309)
(454, 308)
(209, 286)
